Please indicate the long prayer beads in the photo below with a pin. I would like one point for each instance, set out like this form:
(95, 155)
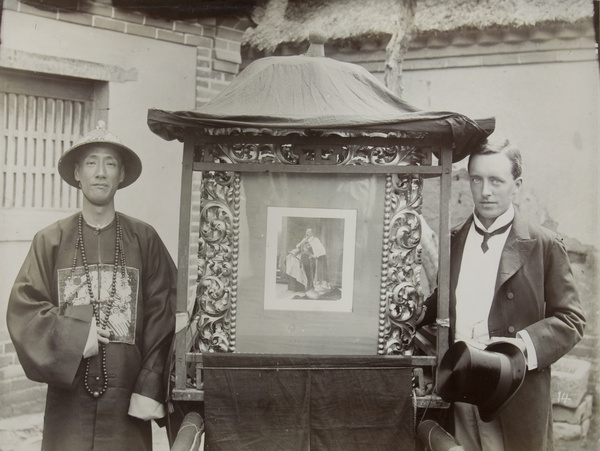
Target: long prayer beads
(101, 320)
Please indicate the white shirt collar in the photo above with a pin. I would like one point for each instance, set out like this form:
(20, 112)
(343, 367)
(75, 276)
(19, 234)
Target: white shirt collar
(500, 221)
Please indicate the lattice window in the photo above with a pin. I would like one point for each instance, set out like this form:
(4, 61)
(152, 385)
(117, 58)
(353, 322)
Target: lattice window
(40, 118)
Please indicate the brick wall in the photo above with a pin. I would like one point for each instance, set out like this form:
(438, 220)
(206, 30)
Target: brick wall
(217, 41)
(18, 395)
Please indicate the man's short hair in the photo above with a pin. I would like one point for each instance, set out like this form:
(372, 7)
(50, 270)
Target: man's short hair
(504, 146)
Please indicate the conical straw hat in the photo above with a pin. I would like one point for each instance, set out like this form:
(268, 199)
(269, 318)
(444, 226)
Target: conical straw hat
(131, 162)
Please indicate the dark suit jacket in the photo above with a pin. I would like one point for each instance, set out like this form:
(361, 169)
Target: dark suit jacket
(535, 291)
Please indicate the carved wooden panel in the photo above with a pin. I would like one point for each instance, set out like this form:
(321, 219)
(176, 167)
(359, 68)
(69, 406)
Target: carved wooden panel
(218, 248)
(400, 298)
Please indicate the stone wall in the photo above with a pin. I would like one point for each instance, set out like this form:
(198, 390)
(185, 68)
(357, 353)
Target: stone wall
(571, 398)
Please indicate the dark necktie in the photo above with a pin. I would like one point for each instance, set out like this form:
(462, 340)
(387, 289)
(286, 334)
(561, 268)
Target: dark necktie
(487, 235)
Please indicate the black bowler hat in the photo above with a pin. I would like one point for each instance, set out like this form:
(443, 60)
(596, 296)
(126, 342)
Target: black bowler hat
(131, 162)
(487, 378)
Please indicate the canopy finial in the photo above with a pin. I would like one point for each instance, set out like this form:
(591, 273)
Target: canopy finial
(317, 41)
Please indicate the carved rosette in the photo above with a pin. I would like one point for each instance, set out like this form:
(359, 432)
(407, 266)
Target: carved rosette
(401, 296)
(218, 249)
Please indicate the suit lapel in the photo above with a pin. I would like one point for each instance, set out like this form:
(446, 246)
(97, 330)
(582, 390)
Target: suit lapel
(517, 248)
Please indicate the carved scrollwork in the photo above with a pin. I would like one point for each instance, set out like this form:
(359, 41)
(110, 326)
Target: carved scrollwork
(295, 153)
(291, 133)
(401, 299)
(403, 302)
(218, 246)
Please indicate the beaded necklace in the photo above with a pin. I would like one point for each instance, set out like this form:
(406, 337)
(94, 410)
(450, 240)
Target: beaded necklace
(101, 321)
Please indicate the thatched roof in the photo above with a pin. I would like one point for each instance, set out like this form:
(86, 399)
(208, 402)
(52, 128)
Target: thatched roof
(290, 21)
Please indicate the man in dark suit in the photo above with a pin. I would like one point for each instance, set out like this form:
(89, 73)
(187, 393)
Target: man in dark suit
(509, 279)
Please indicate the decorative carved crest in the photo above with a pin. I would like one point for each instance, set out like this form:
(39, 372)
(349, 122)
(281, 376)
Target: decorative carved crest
(295, 149)
(298, 154)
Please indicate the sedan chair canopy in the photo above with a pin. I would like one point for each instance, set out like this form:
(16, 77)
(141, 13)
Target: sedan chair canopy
(318, 93)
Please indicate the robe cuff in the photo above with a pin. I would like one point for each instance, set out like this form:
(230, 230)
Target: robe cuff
(532, 361)
(145, 408)
(91, 345)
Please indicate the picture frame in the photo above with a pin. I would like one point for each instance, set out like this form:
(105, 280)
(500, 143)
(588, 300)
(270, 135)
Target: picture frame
(305, 271)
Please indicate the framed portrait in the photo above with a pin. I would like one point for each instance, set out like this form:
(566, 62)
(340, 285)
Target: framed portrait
(315, 294)
(309, 259)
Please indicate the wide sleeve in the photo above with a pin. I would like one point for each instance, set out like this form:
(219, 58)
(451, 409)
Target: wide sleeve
(49, 343)
(159, 290)
(564, 320)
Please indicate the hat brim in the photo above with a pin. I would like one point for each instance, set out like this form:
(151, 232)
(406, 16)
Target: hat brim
(518, 368)
(131, 163)
(457, 380)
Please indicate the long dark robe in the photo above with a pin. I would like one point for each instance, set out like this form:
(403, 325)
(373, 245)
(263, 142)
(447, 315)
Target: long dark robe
(49, 317)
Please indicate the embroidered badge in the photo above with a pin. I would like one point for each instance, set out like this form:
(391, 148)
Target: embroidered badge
(73, 291)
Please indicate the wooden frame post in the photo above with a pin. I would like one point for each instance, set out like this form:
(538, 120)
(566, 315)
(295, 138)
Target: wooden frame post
(443, 310)
(184, 255)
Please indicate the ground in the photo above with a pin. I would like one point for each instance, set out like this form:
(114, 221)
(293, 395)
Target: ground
(24, 434)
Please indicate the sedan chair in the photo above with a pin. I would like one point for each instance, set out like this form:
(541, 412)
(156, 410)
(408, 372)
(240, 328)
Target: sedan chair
(264, 358)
